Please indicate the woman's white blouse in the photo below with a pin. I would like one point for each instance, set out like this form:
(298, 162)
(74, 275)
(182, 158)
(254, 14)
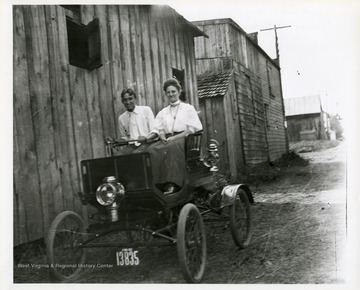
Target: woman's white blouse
(177, 119)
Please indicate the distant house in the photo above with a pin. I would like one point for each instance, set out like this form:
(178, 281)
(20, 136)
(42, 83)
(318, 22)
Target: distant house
(240, 96)
(305, 118)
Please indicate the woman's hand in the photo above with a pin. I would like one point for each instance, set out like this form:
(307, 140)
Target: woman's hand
(162, 138)
(172, 138)
(181, 135)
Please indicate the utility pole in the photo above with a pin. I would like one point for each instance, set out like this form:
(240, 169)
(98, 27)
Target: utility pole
(275, 28)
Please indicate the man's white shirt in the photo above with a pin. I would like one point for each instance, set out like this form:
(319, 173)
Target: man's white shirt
(139, 122)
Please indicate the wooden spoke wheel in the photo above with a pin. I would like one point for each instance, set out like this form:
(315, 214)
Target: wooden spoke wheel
(241, 219)
(62, 246)
(191, 243)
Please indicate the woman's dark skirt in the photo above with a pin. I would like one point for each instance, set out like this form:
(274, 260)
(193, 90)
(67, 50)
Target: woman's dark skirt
(168, 162)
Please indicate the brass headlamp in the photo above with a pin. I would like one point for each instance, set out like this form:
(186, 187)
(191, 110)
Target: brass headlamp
(107, 193)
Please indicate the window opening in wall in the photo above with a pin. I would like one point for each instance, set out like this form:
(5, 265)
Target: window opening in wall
(251, 96)
(83, 41)
(180, 76)
(73, 12)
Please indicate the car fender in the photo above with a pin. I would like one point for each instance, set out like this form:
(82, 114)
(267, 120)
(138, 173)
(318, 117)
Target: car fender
(229, 193)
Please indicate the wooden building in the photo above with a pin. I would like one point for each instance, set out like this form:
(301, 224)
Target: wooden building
(240, 96)
(306, 119)
(70, 65)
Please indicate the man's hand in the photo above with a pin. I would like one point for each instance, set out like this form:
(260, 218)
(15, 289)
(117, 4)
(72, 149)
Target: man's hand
(141, 139)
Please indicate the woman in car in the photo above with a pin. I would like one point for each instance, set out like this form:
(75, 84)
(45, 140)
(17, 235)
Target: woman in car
(172, 124)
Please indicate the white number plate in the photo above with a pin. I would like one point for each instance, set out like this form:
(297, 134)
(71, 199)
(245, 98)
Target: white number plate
(127, 257)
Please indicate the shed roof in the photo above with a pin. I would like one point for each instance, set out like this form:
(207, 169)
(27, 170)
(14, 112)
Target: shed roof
(213, 84)
(303, 105)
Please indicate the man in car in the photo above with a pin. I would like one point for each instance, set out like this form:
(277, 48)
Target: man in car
(136, 123)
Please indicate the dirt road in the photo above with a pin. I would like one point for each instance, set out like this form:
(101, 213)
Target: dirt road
(306, 222)
(299, 236)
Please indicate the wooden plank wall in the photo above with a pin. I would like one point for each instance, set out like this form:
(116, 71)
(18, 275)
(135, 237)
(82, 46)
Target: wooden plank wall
(25, 151)
(212, 65)
(251, 113)
(212, 55)
(249, 96)
(234, 132)
(215, 127)
(237, 51)
(253, 63)
(62, 113)
(250, 105)
(217, 45)
(222, 123)
(270, 76)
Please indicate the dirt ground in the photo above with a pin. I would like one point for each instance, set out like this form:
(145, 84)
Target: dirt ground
(299, 236)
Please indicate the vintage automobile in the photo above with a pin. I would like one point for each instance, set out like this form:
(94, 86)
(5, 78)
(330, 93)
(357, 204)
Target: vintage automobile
(121, 189)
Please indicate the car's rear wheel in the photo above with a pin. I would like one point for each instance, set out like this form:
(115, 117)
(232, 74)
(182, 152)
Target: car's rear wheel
(240, 219)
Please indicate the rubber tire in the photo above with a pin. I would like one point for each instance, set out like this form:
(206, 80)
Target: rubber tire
(55, 272)
(242, 241)
(187, 214)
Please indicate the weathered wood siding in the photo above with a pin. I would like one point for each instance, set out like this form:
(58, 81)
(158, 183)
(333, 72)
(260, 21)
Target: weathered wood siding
(257, 84)
(245, 56)
(228, 48)
(251, 112)
(62, 113)
(274, 115)
(226, 40)
(213, 112)
(212, 65)
(233, 134)
(222, 120)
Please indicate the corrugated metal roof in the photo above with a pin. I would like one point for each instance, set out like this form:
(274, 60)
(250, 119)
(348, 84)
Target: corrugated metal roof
(213, 84)
(303, 105)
